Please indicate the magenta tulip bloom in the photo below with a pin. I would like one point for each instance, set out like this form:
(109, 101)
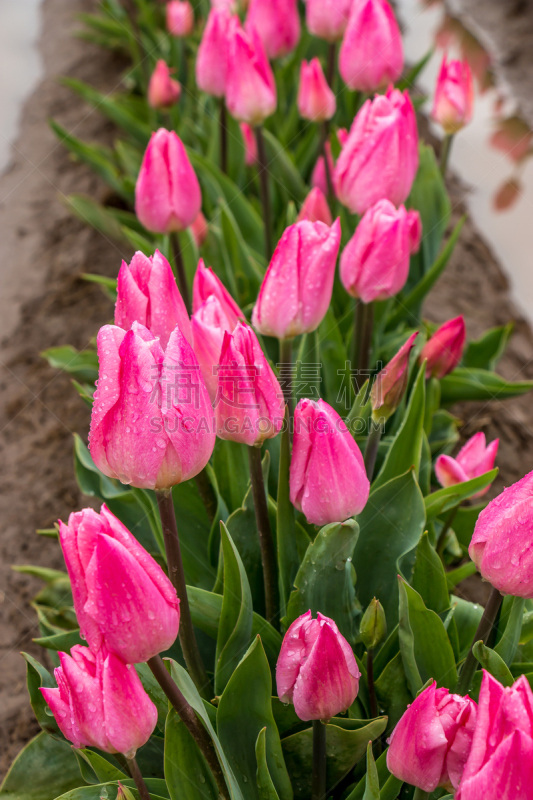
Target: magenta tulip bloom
(380, 157)
(316, 208)
(180, 18)
(212, 58)
(501, 543)
(371, 54)
(501, 759)
(167, 194)
(251, 94)
(151, 418)
(316, 669)
(472, 460)
(207, 283)
(316, 101)
(122, 597)
(319, 178)
(200, 229)
(250, 144)
(278, 24)
(328, 480)
(454, 95)
(249, 405)
(391, 383)
(296, 290)
(147, 293)
(100, 702)
(445, 348)
(208, 325)
(327, 19)
(432, 741)
(375, 263)
(163, 91)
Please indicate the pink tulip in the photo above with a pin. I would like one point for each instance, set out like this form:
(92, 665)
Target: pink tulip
(501, 759)
(454, 96)
(207, 283)
(328, 480)
(212, 59)
(432, 741)
(209, 323)
(371, 54)
(180, 18)
(249, 405)
(251, 94)
(380, 157)
(250, 144)
(316, 101)
(100, 702)
(501, 543)
(122, 597)
(151, 418)
(167, 194)
(316, 208)
(473, 460)
(278, 24)
(375, 263)
(296, 290)
(319, 178)
(327, 19)
(391, 383)
(316, 669)
(200, 230)
(147, 293)
(163, 91)
(445, 348)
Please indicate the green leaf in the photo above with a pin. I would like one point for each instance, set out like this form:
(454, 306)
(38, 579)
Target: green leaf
(372, 780)
(187, 774)
(337, 385)
(467, 617)
(384, 777)
(429, 578)
(281, 168)
(465, 522)
(103, 769)
(242, 526)
(392, 690)
(455, 576)
(95, 214)
(484, 353)
(83, 365)
(288, 561)
(109, 791)
(445, 499)
(154, 692)
(37, 676)
(44, 769)
(242, 259)
(506, 647)
(230, 463)
(267, 790)
(479, 384)
(493, 663)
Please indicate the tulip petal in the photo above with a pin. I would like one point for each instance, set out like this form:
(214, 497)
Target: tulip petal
(167, 308)
(290, 656)
(449, 471)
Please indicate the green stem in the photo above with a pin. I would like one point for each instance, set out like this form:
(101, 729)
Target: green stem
(180, 271)
(420, 794)
(266, 541)
(207, 494)
(287, 552)
(323, 146)
(319, 760)
(371, 449)
(374, 711)
(265, 191)
(285, 369)
(482, 634)
(138, 778)
(445, 153)
(441, 543)
(330, 73)
(223, 137)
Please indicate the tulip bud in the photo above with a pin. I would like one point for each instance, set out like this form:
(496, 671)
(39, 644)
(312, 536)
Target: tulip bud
(250, 144)
(500, 764)
(327, 19)
(380, 156)
(445, 348)
(473, 460)
(167, 194)
(249, 405)
(208, 325)
(163, 91)
(391, 383)
(316, 101)
(207, 283)
(375, 263)
(251, 94)
(316, 669)
(212, 59)
(316, 208)
(454, 96)
(371, 54)
(319, 178)
(150, 422)
(277, 23)
(180, 18)
(373, 627)
(121, 595)
(296, 290)
(100, 702)
(200, 230)
(328, 481)
(432, 741)
(147, 293)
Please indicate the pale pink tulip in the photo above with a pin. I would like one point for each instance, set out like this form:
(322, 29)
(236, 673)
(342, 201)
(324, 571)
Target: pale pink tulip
(371, 54)
(278, 24)
(180, 18)
(251, 94)
(207, 283)
(316, 101)
(472, 460)
(454, 96)
(163, 90)
(327, 19)
(315, 208)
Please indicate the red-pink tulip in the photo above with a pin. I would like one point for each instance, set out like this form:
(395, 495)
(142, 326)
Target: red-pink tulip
(316, 669)
(432, 741)
(316, 101)
(472, 460)
(249, 405)
(200, 229)
(454, 95)
(147, 293)
(213, 53)
(319, 178)
(122, 597)
(380, 157)
(163, 91)
(445, 348)
(209, 323)
(371, 54)
(100, 702)
(151, 418)
(250, 144)
(391, 383)
(167, 194)
(251, 94)
(277, 23)
(296, 290)
(316, 208)
(501, 759)
(207, 283)
(180, 18)
(327, 19)
(328, 480)
(375, 263)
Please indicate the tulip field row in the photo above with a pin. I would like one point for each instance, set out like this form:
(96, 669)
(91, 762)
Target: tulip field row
(263, 606)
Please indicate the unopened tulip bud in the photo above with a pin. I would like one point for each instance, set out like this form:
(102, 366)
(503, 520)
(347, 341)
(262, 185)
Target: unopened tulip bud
(100, 702)
(454, 96)
(205, 284)
(445, 348)
(251, 94)
(316, 208)
(328, 481)
(277, 23)
(250, 144)
(391, 383)
(167, 194)
(208, 324)
(163, 91)
(327, 19)
(200, 230)
(316, 670)
(213, 53)
(319, 178)
(373, 627)
(180, 18)
(316, 101)
(472, 460)
(371, 54)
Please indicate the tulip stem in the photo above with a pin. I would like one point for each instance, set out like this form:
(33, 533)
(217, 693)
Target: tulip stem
(441, 543)
(362, 342)
(420, 794)
(482, 634)
(319, 760)
(330, 71)
(371, 449)
(285, 372)
(180, 271)
(188, 643)
(190, 720)
(323, 146)
(265, 192)
(223, 137)
(138, 778)
(374, 711)
(446, 146)
(266, 542)
(207, 494)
